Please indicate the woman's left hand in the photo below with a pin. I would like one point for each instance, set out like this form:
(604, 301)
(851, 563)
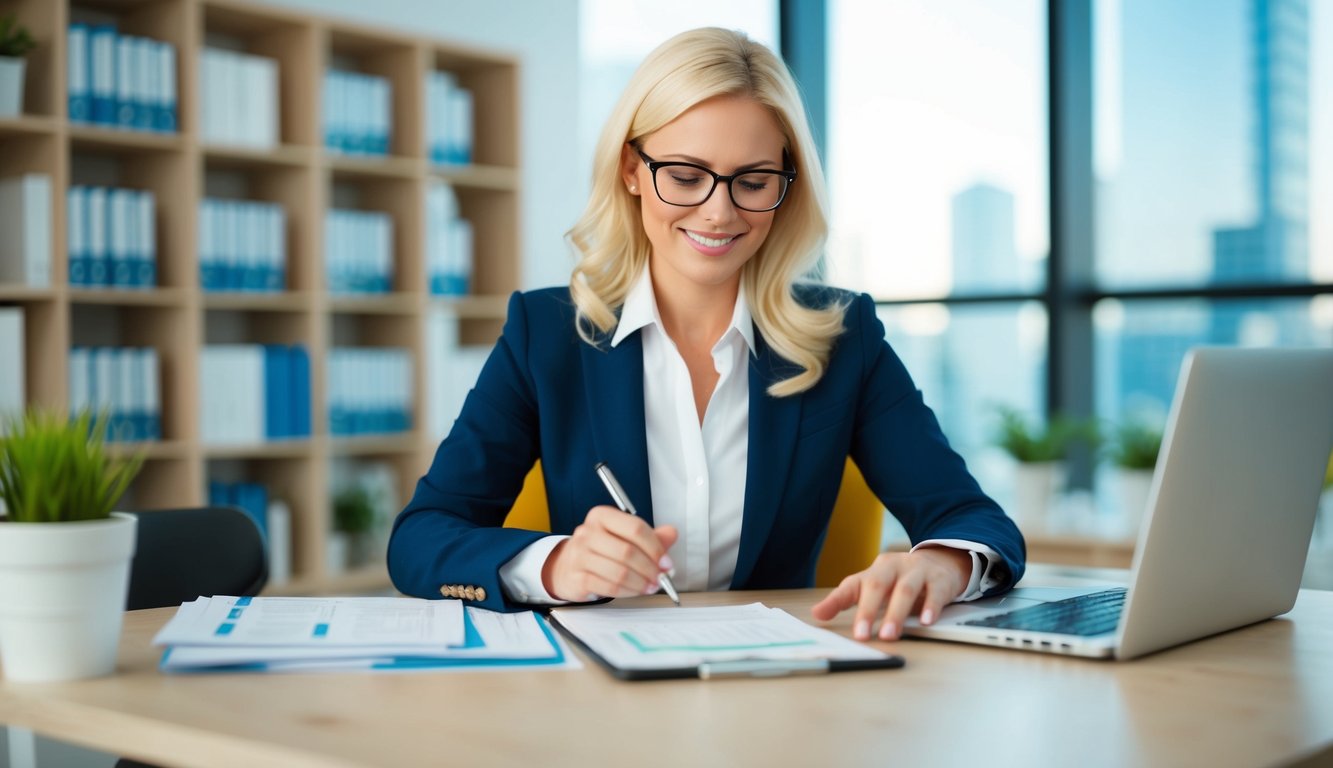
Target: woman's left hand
(899, 584)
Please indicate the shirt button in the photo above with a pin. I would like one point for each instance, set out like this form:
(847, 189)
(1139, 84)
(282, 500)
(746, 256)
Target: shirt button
(698, 481)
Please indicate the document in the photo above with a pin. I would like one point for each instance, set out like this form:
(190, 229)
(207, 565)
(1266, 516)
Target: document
(369, 634)
(679, 640)
(317, 622)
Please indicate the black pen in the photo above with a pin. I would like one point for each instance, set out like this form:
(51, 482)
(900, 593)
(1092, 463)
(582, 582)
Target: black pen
(622, 500)
(717, 670)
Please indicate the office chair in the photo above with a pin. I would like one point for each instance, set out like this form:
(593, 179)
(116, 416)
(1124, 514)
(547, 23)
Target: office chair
(181, 554)
(851, 545)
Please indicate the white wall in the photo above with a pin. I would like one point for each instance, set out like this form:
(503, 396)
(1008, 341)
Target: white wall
(544, 35)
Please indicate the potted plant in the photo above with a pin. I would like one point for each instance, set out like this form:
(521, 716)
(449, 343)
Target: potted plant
(15, 43)
(64, 555)
(1134, 451)
(353, 524)
(1039, 450)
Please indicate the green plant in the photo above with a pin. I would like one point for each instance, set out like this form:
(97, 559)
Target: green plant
(1030, 442)
(15, 42)
(1136, 446)
(55, 469)
(354, 511)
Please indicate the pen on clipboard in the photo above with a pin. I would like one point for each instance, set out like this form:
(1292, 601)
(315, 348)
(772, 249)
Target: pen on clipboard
(719, 670)
(622, 500)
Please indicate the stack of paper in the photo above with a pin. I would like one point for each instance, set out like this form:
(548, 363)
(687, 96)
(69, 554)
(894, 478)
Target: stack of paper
(291, 634)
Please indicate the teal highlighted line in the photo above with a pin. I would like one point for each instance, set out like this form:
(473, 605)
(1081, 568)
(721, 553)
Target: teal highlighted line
(225, 628)
(638, 644)
(235, 613)
(321, 630)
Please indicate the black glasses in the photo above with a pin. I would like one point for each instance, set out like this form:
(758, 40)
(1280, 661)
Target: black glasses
(687, 185)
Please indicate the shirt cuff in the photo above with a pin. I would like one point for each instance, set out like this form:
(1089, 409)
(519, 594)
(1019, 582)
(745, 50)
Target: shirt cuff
(521, 577)
(984, 560)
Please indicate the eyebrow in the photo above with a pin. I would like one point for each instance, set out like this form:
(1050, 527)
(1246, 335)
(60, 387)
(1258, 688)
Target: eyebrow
(739, 168)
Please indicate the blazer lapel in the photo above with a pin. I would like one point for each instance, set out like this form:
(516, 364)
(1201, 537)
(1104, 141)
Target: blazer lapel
(773, 425)
(614, 377)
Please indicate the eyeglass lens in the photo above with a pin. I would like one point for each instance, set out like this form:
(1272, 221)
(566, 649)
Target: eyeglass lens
(687, 185)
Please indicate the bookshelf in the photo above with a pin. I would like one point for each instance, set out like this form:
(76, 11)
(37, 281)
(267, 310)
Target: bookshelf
(178, 319)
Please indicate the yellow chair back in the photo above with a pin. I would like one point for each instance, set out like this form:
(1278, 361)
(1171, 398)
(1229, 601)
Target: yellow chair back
(853, 535)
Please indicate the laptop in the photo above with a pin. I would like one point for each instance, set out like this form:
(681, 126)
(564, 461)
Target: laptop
(1228, 523)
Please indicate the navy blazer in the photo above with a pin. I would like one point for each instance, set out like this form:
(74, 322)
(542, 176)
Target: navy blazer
(546, 394)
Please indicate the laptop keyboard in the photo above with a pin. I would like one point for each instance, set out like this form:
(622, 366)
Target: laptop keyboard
(1084, 616)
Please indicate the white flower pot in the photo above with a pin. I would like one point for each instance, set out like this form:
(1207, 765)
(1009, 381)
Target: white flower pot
(62, 597)
(1035, 487)
(11, 86)
(1132, 488)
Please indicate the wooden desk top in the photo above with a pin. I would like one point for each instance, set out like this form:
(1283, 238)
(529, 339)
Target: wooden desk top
(1256, 696)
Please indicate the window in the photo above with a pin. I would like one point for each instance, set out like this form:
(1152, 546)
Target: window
(617, 34)
(1213, 151)
(937, 162)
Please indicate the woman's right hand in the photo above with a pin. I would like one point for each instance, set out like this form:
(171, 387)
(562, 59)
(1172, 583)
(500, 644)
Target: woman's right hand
(611, 554)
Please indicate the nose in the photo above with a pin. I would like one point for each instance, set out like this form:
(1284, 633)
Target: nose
(718, 207)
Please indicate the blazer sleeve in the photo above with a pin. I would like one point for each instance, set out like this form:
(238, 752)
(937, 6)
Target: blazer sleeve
(450, 532)
(908, 463)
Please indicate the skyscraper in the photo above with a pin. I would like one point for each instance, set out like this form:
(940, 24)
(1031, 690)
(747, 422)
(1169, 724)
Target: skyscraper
(985, 256)
(1276, 246)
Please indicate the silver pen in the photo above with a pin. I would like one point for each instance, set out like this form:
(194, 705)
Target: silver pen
(622, 500)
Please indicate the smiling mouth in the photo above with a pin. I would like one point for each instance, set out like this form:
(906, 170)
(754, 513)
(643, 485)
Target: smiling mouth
(710, 242)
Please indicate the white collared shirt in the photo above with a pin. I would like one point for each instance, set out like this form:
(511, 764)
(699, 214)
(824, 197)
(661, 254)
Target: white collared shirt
(697, 472)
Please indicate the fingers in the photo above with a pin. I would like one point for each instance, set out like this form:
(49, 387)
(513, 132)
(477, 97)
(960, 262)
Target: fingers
(901, 601)
(875, 583)
(611, 554)
(841, 598)
(894, 587)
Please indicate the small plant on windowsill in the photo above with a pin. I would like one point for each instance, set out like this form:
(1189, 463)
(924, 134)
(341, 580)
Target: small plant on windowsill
(61, 546)
(1029, 442)
(1134, 451)
(1040, 451)
(1135, 446)
(15, 44)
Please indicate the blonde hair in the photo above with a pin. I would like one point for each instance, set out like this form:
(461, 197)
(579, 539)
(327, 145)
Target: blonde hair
(690, 68)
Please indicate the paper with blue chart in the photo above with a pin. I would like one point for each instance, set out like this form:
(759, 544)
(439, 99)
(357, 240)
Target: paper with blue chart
(289, 634)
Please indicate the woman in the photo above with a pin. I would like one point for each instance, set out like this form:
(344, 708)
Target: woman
(725, 395)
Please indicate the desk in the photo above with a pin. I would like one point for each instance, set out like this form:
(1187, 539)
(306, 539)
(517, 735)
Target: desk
(1258, 696)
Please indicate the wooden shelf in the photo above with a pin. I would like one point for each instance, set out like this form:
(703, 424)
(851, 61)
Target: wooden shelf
(23, 293)
(259, 302)
(152, 450)
(178, 319)
(474, 307)
(375, 445)
(369, 578)
(156, 297)
(247, 158)
(361, 167)
(278, 449)
(375, 304)
(27, 125)
(87, 137)
(491, 177)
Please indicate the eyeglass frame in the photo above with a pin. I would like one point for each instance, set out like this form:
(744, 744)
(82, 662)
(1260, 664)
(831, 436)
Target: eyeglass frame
(653, 165)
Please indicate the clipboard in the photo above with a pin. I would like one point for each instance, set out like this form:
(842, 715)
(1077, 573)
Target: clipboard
(730, 668)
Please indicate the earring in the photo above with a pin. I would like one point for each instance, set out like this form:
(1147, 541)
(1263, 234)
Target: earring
(633, 190)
